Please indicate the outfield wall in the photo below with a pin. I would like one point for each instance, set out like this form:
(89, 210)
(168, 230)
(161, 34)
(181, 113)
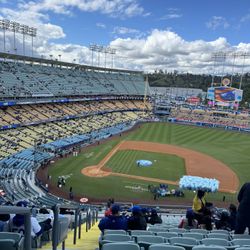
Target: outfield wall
(207, 124)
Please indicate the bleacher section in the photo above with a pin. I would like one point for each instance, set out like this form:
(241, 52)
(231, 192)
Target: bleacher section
(167, 236)
(37, 113)
(209, 116)
(34, 80)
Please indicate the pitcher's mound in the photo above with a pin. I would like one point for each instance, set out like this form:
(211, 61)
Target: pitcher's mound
(95, 171)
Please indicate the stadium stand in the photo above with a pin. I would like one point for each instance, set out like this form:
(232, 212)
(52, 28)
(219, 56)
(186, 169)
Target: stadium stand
(33, 80)
(46, 110)
(212, 117)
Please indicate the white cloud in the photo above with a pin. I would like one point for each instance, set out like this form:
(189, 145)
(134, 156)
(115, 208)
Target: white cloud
(171, 16)
(101, 25)
(164, 49)
(245, 18)
(124, 30)
(172, 13)
(114, 8)
(216, 22)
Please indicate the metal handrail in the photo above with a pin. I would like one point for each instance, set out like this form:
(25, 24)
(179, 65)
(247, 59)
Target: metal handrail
(56, 210)
(27, 221)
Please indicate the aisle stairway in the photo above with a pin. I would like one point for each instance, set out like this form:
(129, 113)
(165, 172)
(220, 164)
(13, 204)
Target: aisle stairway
(88, 241)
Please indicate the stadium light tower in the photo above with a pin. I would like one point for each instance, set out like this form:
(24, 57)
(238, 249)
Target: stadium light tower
(112, 52)
(32, 33)
(4, 25)
(16, 27)
(106, 51)
(244, 55)
(102, 49)
(92, 47)
(99, 50)
(24, 30)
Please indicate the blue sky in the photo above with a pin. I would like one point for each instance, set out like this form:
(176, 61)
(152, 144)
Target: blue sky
(72, 25)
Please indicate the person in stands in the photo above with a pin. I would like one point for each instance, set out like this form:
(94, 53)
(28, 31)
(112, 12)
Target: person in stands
(243, 218)
(206, 219)
(154, 218)
(16, 224)
(189, 222)
(137, 221)
(113, 221)
(223, 223)
(232, 216)
(199, 204)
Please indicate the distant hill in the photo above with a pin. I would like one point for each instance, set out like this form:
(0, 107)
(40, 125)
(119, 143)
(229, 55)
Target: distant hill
(161, 79)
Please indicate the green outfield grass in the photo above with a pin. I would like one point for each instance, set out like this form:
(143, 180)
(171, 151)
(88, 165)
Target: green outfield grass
(165, 166)
(232, 148)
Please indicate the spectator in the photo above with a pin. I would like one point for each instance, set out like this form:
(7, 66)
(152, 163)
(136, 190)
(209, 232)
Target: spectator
(206, 219)
(199, 201)
(189, 222)
(137, 221)
(232, 216)
(108, 210)
(145, 213)
(223, 223)
(17, 223)
(243, 218)
(154, 218)
(4, 218)
(113, 221)
(199, 204)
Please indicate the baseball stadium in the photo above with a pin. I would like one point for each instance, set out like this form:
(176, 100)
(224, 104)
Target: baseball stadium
(82, 143)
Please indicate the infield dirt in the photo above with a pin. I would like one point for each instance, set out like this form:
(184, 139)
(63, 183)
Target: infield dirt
(196, 163)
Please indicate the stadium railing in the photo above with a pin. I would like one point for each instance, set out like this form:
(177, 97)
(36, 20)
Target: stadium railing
(60, 227)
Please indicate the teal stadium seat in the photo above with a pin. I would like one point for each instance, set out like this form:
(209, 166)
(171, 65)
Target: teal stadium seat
(9, 241)
(241, 242)
(120, 246)
(209, 248)
(165, 247)
(186, 242)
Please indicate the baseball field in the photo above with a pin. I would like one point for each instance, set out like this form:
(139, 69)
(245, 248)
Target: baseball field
(110, 169)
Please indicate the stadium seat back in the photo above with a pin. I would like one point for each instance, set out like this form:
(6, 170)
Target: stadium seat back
(150, 239)
(209, 248)
(241, 236)
(8, 244)
(63, 226)
(241, 242)
(108, 231)
(215, 241)
(197, 230)
(116, 237)
(165, 247)
(218, 236)
(120, 246)
(220, 231)
(177, 230)
(183, 240)
(167, 235)
(157, 229)
(196, 236)
(140, 232)
(18, 239)
(14, 236)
